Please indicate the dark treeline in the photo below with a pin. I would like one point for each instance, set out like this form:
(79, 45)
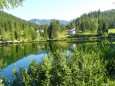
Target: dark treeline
(95, 22)
(13, 28)
(52, 31)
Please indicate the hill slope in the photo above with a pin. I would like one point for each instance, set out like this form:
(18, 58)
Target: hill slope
(96, 21)
(13, 28)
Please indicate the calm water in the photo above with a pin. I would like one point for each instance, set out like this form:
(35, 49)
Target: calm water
(21, 55)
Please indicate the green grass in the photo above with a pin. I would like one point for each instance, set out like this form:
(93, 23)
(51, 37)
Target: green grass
(111, 83)
(63, 34)
(111, 30)
(86, 33)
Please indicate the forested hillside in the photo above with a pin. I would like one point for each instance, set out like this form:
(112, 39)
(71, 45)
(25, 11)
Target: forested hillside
(96, 21)
(13, 28)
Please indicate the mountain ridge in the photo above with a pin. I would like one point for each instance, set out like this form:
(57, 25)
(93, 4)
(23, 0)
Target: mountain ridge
(47, 21)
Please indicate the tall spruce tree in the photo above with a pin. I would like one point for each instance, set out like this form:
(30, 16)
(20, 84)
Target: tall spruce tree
(54, 29)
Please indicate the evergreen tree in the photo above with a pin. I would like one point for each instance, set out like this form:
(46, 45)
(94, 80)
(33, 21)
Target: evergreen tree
(54, 29)
(96, 21)
(13, 28)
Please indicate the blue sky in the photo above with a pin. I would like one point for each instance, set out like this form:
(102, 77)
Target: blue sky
(59, 9)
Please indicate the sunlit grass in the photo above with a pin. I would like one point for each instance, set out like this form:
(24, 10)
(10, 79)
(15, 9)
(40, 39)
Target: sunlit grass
(111, 30)
(86, 33)
(64, 34)
(111, 83)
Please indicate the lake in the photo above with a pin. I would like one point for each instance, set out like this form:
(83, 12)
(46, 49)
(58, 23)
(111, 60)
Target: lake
(21, 55)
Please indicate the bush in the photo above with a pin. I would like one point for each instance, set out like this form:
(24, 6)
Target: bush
(105, 35)
(80, 68)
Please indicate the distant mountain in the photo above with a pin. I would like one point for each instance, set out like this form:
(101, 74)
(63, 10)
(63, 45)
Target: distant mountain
(47, 21)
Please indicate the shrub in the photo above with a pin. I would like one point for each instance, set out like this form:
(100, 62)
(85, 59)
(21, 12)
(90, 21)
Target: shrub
(80, 68)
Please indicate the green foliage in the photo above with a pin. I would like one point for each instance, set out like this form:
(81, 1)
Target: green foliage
(82, 69)
(53, 29)
(6, 36)
(111, 83)
(13, 28)
(10, 3)
(2, 64)
(86, 65)
(105, 34)
(111, 31)
(95, 22)
(45, 28)
(109, 54)
(92, 68)
(12, 53)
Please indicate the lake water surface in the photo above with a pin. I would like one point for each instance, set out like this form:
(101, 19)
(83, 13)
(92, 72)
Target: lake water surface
(21, 55)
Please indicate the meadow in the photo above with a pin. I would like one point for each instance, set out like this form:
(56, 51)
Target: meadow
(111, 30)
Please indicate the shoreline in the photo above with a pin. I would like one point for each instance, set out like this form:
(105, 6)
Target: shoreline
(74, 38)
(55, 40)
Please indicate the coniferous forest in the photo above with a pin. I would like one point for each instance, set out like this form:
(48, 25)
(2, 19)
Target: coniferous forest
(96, 21)
(13, 28)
